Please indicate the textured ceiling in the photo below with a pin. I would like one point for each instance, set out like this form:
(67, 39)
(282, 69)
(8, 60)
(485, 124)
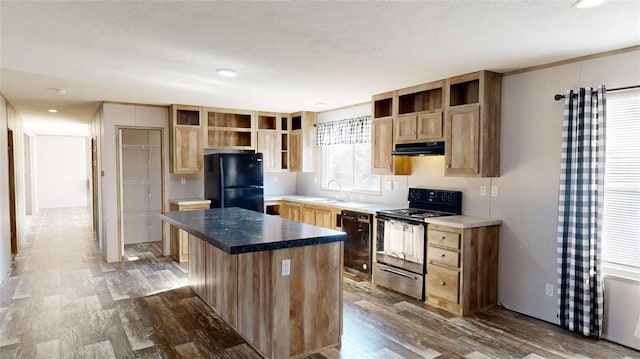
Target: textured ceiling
(288, 55)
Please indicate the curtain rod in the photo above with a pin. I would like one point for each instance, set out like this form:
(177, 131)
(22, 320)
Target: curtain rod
(559, 97)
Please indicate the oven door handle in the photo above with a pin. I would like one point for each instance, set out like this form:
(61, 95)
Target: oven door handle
(389, 270)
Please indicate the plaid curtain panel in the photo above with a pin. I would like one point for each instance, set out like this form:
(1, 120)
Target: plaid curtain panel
(348, 131)
(580, 212)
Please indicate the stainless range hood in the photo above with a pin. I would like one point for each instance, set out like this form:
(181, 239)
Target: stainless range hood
(419, 149)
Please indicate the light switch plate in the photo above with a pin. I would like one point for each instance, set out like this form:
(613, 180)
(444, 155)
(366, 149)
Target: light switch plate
(494, 191)
(483, 191)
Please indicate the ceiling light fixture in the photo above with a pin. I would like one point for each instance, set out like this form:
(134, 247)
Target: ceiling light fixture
(586, 4)
(226, 72)
(52, 110)
(59, 91)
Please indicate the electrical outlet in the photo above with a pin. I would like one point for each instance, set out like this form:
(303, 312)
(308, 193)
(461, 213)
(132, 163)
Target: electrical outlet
(549, 290)
(494, 191)
(183, 180)
(396, 185)
(286, 267)
(388, 184)
(483, 191)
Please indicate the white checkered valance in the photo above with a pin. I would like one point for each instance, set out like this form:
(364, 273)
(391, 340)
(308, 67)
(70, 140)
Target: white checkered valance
(346, 131)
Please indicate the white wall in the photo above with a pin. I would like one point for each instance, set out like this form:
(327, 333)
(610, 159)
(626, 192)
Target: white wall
(62, 171)
(531, 140)
(5, 230)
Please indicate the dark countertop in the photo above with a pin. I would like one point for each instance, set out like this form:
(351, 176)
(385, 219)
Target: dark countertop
(237, 230)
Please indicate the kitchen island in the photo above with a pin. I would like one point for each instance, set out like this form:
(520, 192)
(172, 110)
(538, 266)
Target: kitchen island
(277, 282)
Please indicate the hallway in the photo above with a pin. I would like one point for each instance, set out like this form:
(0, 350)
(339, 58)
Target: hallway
(62, 300)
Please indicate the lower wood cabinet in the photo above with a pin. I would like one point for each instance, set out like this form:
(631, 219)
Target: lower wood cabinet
(291, 210)
(462, 268)
(179, 238)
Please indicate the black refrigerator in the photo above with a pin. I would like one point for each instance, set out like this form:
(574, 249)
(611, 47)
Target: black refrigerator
(234, 180)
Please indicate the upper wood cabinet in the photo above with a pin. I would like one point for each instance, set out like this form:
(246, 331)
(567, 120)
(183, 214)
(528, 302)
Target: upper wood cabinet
(419, 116)
(472, 125)
(230, 129)
(185, 139)
(302, 142)
(273, 140)
(382, 130)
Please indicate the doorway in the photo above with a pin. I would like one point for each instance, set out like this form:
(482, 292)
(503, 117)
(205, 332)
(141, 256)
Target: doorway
(12, 193)
(140, 191)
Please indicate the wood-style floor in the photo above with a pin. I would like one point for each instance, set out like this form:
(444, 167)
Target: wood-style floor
(61, 300)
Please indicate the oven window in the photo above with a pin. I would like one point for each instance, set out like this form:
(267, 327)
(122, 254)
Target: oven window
(401, 244)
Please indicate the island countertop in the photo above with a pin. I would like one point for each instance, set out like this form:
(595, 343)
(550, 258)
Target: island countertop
(237, 230)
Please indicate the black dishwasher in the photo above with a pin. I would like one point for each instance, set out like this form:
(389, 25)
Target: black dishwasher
(357, 246)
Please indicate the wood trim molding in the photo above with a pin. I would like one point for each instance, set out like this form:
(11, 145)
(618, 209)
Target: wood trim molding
(575, 59)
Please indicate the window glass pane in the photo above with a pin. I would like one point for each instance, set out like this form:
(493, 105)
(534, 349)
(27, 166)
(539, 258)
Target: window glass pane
(621, 219)
(351, 165)
(364, 180)
(337, 163)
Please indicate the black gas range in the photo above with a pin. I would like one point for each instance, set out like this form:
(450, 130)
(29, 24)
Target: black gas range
(427, 203)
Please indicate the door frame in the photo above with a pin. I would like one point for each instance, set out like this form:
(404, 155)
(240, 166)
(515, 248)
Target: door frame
(12, 192)
(120, 226)
(94, 183)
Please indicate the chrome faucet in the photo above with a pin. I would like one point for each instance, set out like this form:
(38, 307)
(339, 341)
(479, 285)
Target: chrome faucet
(342, 196)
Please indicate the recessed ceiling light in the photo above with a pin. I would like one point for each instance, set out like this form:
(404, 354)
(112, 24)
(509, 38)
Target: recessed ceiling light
(321, 105)
(226, 72)
(52, 110)
(585, 4)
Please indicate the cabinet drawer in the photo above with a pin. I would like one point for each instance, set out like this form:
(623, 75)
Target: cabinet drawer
(445, 239)
(443, 283)
(443, 256)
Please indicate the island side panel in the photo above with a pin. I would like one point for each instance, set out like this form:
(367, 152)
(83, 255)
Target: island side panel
(299, 314)
(220, 289)
(255, 305)
(197, 265)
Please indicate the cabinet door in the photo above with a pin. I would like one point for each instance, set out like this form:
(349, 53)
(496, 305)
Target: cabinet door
(405, 129)
(462, 149)
(268, 145)
(382, 162)
(308, 215)
(295, 152)
(429, 126)
(323, 218)
(382, 145)
(187, 149)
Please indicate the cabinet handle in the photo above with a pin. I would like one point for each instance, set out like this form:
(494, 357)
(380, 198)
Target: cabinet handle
(448, 166)
(443, 238)
(442, 255)
(443, 283)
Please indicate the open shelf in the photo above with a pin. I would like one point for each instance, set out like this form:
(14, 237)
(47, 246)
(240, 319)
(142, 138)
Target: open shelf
(188, 117)
(383, 108)
(428, 100)
(296, 123)
(464, 93)
(233, 120)
(223, 138)
(267, 122)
